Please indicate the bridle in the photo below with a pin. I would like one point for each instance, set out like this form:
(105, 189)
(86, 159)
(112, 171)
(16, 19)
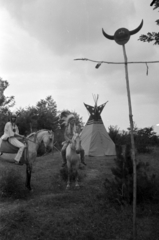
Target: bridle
(73, 142)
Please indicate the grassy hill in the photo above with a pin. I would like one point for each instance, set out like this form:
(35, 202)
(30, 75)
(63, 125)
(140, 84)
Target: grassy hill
(51, 212)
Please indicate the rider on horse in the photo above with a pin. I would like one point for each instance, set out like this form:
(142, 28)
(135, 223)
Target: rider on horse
(70, 128)
(11, 132)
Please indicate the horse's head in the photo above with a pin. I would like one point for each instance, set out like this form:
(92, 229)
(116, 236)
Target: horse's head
(76, 142)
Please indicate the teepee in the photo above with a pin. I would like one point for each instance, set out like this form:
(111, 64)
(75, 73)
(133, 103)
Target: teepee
(95, 139)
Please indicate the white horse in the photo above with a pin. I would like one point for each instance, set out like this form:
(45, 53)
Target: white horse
(73, 159)
(32, 142)
(45, 137)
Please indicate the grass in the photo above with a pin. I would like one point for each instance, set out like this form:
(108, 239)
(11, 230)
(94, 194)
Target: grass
(52, 212)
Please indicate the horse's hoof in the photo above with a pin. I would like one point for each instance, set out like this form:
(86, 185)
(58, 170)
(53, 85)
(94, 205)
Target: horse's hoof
(67, 187)
(77, 186)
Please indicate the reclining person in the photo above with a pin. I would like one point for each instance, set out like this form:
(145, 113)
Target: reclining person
(11, 132)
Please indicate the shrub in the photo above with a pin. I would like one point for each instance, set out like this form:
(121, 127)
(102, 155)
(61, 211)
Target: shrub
(120, 189)
(145, 138)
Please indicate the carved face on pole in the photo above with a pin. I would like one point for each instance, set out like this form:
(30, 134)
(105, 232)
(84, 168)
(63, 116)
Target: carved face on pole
(122, 35)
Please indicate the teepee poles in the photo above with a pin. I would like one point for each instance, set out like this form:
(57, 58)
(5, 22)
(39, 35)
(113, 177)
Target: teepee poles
(95, 99)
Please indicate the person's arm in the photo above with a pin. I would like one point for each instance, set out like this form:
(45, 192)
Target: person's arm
(18, 135)
(17, 130)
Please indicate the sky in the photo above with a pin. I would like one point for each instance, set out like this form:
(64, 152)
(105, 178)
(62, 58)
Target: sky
(41, 38)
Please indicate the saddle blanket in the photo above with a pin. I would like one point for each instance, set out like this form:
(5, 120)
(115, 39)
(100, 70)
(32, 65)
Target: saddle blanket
(6, 147)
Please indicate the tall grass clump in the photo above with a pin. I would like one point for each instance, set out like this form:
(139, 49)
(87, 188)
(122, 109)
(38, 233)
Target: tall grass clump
(120, 189)
(12, 185)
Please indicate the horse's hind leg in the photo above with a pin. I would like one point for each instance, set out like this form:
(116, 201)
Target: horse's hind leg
(28, 177)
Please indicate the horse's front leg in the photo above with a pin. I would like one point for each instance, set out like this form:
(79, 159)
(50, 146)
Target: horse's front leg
(28, 176)
(77, 180)
(68, 181)
(68, 176)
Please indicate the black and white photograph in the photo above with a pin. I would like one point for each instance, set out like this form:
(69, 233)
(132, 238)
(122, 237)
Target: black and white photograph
(79, 119)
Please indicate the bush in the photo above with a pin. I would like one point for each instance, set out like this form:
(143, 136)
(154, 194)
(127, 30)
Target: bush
(145, 138)
(12, 185)
(120, 189)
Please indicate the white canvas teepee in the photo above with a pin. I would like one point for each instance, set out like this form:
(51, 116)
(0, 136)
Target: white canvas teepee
(95, 139)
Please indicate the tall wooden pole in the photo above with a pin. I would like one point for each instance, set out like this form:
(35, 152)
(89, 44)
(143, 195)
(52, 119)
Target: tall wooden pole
(132, 144)
(121, 37)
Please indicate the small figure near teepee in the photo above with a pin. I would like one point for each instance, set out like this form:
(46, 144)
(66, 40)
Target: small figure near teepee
(69, 122)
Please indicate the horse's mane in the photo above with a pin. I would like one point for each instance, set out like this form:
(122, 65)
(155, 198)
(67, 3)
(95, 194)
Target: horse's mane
(41, 130)
(33, 133)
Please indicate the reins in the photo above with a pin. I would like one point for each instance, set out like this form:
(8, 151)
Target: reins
(27, 139)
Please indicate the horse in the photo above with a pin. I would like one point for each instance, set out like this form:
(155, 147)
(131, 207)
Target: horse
(73, 159)
(32, 142)
(45, 138)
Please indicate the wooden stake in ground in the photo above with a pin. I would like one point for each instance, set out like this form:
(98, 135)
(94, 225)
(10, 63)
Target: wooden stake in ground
(132, 143)
(121, 37)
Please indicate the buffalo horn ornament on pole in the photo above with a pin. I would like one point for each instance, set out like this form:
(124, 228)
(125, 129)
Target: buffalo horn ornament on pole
(122, 35)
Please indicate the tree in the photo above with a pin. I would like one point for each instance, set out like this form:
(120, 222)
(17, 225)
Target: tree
(27, 120)
(41, 116)
(5, 104)
(152, 36)
(47, 114)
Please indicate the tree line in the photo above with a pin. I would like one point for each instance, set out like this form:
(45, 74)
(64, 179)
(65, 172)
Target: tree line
(44, 115)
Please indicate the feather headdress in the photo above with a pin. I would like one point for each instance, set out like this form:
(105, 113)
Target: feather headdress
(66, 116)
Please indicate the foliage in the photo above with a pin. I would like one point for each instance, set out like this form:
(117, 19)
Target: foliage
(144, 138)
(150, 37)
(47, 114)
(120, 189)
(7, 102)
(153, 36)
(27, 120)
(5, 105)
(118, 136)
(42, 116)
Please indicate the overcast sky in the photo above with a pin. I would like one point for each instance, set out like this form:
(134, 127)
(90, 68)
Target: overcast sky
(39, 40)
